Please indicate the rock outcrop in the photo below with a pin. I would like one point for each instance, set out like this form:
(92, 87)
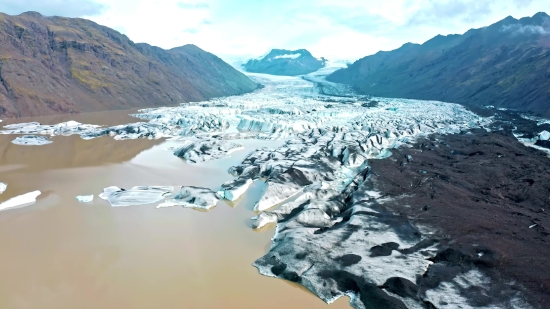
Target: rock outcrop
(285, 62)
(504, 64)
(52, 65)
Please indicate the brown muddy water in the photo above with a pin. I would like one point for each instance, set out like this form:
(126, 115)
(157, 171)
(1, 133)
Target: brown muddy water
(59, 253)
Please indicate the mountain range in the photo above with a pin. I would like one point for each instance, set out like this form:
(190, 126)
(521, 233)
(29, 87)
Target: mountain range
(51, 65)
(285, 62)
(506, 64)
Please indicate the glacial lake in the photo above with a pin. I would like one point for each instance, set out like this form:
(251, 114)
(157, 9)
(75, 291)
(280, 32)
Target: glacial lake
(59, 253)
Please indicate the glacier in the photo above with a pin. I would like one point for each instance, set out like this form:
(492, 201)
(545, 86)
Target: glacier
(314, 187)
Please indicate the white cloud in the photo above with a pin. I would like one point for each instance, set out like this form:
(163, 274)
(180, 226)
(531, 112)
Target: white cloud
(346, 29)
(527, 29)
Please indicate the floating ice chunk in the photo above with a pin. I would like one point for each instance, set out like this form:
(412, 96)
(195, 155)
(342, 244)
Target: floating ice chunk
(107, 192)
(544, 135)
(193, 197)
(3, 187)
(232, 190)
(24, 125)
(64, 128)
(31, 140)
(139, 195)
(20, 200)
(85, 198)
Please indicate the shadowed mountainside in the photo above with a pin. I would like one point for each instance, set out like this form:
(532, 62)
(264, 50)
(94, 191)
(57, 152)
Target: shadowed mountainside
(51, 65)
(506, 64)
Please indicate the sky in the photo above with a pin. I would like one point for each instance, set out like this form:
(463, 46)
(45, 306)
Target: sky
(334, 29)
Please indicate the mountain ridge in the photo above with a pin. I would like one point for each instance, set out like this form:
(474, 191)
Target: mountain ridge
(504, 64)
(51, 65)
(285, 62)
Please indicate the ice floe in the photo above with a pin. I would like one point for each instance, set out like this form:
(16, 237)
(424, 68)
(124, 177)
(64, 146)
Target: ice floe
(206, 150)
(85, 198)
(232, 190)
(192, 197)
(139, 195)
(20, 200)
(3, 187)
(31, 140)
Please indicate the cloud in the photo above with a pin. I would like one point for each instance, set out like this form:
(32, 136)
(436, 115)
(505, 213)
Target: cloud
(67, 8)
(455, 11)
(522, 3)
(191, 30)
(343, 29)
(193, 6)
(518, 29)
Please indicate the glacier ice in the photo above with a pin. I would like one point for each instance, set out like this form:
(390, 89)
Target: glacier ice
(206, 149)
(85, 198)
(138, 195)
(544, 136)
(232, 190)
(31, 140)
(192, 197)
(107, 192)
(20, 200)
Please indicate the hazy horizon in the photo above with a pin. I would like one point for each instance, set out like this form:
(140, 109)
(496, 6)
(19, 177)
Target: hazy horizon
(348, 29)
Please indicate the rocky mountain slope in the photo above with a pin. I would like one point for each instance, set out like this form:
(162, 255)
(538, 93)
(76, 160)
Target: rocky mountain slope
(54, 65)
(505, 64)
(285, 62)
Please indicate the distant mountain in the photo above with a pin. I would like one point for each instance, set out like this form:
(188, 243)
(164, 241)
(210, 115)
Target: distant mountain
(506, 64)
(285, 62)
(54, 65)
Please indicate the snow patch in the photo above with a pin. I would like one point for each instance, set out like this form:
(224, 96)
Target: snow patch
(288, 56)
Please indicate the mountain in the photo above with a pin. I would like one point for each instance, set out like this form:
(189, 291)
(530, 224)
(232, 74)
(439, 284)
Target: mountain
(52, 65)
(506, 64)
(285, 62)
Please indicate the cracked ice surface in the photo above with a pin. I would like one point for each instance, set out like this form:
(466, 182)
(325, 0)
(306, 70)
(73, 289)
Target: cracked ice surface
(286, 107)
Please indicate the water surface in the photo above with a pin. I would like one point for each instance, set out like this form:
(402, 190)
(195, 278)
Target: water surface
(59, 253)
